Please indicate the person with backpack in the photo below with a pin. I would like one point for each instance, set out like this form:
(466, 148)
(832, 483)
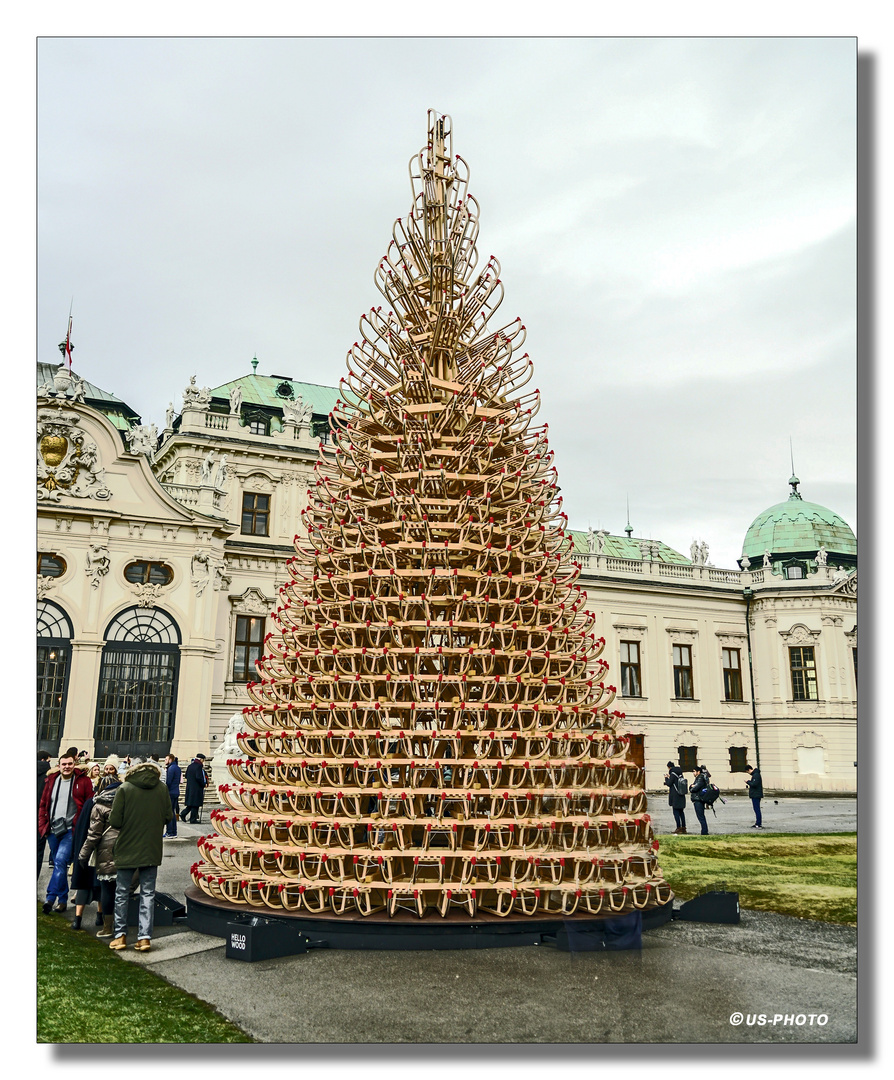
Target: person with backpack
(699, 785)
(677, 787)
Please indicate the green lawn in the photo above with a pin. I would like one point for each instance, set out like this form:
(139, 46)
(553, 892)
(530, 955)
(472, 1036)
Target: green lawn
(87, 994)
(812, 876)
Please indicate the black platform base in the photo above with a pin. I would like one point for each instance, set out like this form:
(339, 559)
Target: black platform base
(716, 906)
(167, 909)
(253, 934)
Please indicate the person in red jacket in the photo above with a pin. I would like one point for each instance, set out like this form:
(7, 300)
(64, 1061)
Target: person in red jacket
(64, 793)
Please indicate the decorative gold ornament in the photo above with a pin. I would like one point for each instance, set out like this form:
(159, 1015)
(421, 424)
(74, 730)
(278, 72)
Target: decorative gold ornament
(53, 449)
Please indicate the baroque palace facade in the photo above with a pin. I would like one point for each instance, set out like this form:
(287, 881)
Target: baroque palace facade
(160, 555)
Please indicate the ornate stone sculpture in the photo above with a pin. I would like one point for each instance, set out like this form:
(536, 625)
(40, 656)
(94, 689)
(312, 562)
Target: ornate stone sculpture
(67, 459)
(78, 388)
(694, 552)
(822, 556)
(204, 569)
(169, 415)
(191, 392)
(236, 400)
(297, 412)
(195, 398)
(142, 439)
(703, 554)
(222, 472)
(207, 462)
(44, 585)
(147, 594)
(591, 541)
(228, 749)
(98, 563)
(601, 534)
(767, 558)
(745, 561)
(64, 384)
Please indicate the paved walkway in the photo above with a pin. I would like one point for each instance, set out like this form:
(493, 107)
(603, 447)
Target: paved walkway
(683, 987)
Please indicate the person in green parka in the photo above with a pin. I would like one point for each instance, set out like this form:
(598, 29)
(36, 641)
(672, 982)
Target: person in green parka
(140, 812)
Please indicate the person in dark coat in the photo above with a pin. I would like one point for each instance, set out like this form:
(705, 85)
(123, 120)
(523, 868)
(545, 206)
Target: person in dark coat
(676, 799)
(140, 811)
(82, 880)
(699, 783)
(194, 795)
(756, 790)
(43, 767)
(173, 775)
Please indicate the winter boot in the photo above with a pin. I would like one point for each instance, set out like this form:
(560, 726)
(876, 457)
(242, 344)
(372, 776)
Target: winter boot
(76, 923)
(108, 927)
(98, 921)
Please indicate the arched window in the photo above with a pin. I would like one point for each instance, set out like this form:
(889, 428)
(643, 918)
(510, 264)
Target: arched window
(138, 684)
(50, 565)
(54, 634)
(149, 573)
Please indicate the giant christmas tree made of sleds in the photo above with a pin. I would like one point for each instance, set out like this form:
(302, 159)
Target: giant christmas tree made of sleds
(432, 731)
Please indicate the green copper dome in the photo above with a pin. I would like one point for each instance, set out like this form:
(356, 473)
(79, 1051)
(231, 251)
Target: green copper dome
(798, 527)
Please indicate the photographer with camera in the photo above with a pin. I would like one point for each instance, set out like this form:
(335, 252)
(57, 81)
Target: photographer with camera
(701, 776)
(60, 804)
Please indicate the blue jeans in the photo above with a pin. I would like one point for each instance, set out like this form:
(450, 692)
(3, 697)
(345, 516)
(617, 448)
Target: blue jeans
(60, 853)
(699, 809)
(756, 803)
(148, 874)
(679, 817)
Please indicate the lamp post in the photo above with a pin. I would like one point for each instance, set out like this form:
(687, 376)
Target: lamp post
(748, 593)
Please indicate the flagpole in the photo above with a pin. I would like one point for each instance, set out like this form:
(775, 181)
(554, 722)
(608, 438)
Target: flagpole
(68, 335)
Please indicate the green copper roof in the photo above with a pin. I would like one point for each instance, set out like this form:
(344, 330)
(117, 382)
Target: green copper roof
(116, 410)
(798, 527)
(626, 547)
(262, 390)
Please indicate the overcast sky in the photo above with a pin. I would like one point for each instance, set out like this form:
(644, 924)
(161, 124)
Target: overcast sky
(675, 219)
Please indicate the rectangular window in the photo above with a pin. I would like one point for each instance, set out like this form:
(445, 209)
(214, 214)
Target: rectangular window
(732, 675)
(255, 513)
(687, 757)
(683, 671)
(248, 645)
(803, 668)
(52, 667)
(137, 686)
(631, 685)
(738, 758)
